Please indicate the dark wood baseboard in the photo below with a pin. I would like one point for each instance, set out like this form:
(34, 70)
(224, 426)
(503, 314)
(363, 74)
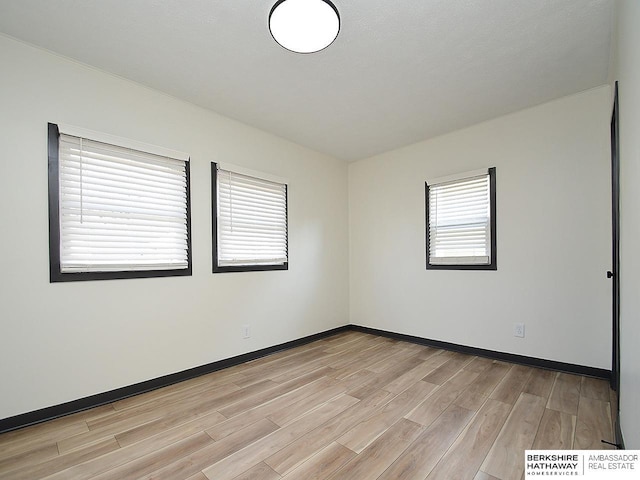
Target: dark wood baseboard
(74, 406)
(481, 352)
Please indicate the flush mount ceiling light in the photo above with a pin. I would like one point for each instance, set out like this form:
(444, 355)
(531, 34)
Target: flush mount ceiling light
(304, 26)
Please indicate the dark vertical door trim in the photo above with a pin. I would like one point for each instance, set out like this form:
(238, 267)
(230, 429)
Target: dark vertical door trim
(615, 263)
(615, 233)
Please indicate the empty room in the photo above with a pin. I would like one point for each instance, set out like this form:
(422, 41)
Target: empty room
(313, 239)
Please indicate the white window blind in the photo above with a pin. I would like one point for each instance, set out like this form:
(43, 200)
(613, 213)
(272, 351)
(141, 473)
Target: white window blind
(252, 220)
(460, 221)
(120, 209)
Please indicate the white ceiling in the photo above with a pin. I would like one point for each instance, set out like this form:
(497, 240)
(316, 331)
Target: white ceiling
(399, 72)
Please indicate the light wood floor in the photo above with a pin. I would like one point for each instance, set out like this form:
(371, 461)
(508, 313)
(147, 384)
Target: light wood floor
(352, 406)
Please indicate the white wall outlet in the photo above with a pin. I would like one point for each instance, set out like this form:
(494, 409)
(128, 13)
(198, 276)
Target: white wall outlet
(246, 332)
(518, 330)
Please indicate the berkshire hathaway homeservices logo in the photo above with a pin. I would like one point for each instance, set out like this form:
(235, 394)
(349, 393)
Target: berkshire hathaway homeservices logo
(585, 464)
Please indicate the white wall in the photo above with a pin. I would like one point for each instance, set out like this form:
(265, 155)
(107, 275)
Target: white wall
(627, 72)
(64, 341)
(553, 234)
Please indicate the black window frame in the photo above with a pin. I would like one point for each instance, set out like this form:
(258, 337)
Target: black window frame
(55, 273)
(214, 233)
(493, 265)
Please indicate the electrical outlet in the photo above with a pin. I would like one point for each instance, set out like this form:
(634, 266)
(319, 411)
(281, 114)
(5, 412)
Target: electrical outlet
(518, 330)
(246, 332)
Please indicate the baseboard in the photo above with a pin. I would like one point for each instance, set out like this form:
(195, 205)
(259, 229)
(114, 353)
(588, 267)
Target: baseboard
(74, 406)
(481, 352)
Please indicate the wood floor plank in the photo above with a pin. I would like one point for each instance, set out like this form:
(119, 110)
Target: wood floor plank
(350, 364)
(423, 454)
(283, 367)
(357, 379)
(355, 345)
(323, 464)
(38, 436)
(202, 383)
(448, 354)
(261, 471)
(126, 420)
(411, 349)
(478, 364)
(59, 424)
(448, 369)
(377, 457)
(342, 337)
(62, 462)
(305, 368)
(121, 420)
(484, 476)
(384, 378)
(565, 394)
(24, 459)
(216, 399)
(540, 382)
(210, 454)
(260, 398)
(282, 403)
(479, 390)
(509, 388)
(171, 420)
(50, 430)
(284, 416)
(595, 388)
(255, 370)
(198, 476)
(122, 456)
(465, 456)
(463, 378)
(504, 460)
(593, 424)
(344, 364)
(90, 469)
(362, 356)
(306, 446)
(152, 461)
(428, 352)
(407, 379)
(392, 356)
(556, 431)
(348, 342)
(148, 409)
(438, 358)
(363, 434)
(440, 399)
(241, 461)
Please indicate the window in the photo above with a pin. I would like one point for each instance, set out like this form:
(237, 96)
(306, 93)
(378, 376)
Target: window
(461, 221)
(250, 221)
(117, 209)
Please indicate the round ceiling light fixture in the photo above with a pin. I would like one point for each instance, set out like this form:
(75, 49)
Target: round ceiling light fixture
(304, 26)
